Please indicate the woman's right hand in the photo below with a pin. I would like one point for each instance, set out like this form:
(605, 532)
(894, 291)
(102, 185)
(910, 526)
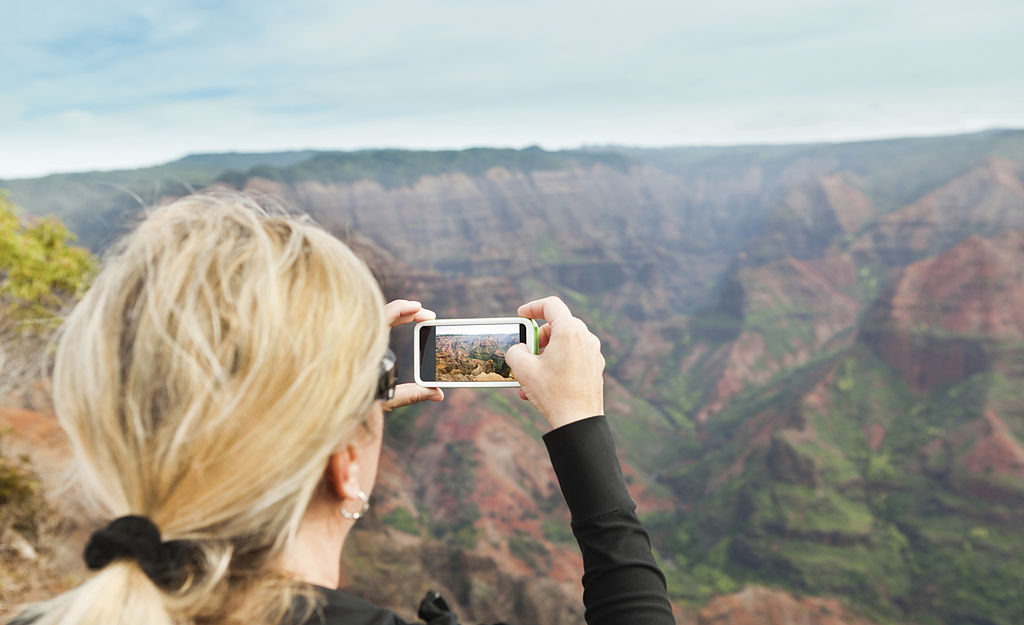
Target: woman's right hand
(565, 382)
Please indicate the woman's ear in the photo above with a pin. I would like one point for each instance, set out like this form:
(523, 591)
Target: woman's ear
(343, 473)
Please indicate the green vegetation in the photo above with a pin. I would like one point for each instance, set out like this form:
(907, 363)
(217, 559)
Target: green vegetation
(22, 507)
(558, 531)
(41, 275)
(400, 426)
(832, 477)
(457, 526)
(868, 497)
(401, 520)
(644, 427)
(27, 532)
(499, 400)
(40, 271)
(531, 552)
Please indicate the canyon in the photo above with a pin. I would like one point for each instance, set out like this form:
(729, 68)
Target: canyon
(815, 357)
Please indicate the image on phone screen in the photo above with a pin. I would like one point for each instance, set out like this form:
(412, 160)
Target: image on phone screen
(474, 353)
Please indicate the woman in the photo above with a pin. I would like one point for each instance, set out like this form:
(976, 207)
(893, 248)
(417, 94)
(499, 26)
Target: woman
(223, 385)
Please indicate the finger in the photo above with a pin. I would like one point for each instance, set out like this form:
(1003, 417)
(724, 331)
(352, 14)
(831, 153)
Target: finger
(422, 315)
(402, 311)
(515, 354)
(518, 358)
(396, 309)
(409, 394)
(544, 336)
(402, 306)
(522, 395)
(551, 309)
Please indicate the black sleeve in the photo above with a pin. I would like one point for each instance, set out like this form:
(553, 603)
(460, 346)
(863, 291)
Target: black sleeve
(622, 585)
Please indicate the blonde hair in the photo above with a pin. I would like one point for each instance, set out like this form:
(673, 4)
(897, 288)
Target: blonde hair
(204, 380)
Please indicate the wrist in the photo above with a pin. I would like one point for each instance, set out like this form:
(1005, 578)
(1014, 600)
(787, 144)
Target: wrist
(565, 418)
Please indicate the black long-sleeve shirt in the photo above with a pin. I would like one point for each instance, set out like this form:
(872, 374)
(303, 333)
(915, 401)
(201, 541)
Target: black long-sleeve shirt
(622, 585)
(621, 582)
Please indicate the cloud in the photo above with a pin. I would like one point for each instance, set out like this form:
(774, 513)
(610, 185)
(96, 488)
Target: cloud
(266, 75)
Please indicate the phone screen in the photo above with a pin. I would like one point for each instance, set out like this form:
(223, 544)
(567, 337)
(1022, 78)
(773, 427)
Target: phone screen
(468, 353)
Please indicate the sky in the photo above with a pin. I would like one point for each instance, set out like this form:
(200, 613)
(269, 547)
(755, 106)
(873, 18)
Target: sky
(98, 84)
(504, 328)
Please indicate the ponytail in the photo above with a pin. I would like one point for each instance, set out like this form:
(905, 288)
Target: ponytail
(119, 594)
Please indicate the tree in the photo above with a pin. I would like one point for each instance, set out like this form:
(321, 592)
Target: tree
(41, 274)
(40, 271)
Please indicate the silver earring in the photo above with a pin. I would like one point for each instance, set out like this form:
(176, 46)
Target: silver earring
(352, 516)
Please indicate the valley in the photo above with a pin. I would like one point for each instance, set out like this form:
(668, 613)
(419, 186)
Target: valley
(815, 364)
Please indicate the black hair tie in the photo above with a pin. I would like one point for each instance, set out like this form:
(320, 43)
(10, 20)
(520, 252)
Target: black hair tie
(137, 538)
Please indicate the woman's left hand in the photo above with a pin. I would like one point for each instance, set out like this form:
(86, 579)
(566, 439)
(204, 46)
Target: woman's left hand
(400, 312)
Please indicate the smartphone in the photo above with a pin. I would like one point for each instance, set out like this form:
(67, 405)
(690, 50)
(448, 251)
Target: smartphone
(469, 352)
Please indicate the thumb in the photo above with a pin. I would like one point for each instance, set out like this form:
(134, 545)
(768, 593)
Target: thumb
(522, 362)
(409, 394)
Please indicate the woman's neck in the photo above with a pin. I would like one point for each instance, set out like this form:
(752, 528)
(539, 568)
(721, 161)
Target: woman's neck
(315, 554)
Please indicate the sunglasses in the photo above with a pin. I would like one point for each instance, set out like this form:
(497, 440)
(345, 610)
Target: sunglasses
(388, 376)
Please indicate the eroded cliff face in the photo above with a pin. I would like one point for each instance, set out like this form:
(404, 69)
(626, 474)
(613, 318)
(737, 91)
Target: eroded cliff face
(599, 231)
(899, 448)
(952, 316)
(797, 290)
(812, 448)
(984, 200)
(792, 299)
(755, 605)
